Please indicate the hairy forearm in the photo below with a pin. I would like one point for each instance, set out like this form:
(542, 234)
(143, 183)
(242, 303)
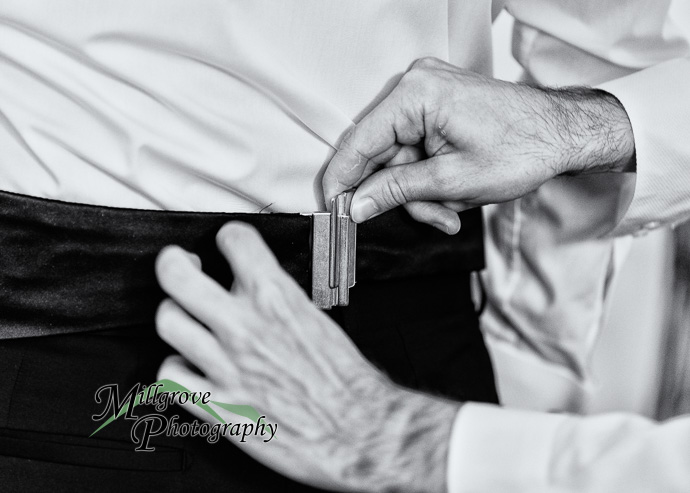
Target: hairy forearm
(405, 448)
(590, 130)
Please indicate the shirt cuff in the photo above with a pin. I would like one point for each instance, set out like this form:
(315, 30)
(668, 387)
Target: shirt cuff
(657, 101)
(501, 450)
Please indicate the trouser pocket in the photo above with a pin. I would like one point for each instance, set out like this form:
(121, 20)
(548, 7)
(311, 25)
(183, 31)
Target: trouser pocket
(88, 452)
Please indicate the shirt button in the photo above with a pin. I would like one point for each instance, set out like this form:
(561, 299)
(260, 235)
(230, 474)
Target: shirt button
(652, 225)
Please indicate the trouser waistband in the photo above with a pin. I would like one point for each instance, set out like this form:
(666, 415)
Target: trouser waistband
(68, 267)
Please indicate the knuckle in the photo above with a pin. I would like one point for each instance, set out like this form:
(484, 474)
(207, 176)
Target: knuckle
(419, 79)
(425, 63)
(351, 159)
(411, 81)
(396, 188)
(268, 293)
(276, 297)
(427, 75)
(346, 140)
(268, 302)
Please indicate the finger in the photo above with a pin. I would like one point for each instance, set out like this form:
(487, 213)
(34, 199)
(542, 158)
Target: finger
(398, 185)
(177, 369)
(375, 140)
(250, 259)
(458, 205)
(434, 214)
(191, 339)
(400, 154)
(406, 155)
(349, 166)
(193, 290)
(194, 258)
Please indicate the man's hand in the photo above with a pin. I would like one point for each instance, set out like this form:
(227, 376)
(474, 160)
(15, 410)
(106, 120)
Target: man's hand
(341, 423)
(469, 140)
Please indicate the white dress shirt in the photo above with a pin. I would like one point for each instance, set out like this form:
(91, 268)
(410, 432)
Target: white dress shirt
(237, 106)
(205, 105)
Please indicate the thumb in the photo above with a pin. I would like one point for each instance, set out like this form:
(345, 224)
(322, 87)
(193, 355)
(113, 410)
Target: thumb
(374, 141)
(391, 187)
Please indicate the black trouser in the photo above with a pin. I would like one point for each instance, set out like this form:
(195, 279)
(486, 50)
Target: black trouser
(85, 275)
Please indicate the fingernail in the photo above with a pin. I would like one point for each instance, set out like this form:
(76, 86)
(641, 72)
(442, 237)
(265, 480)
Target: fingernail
(363, 209)
(194, 258)
(449, 228)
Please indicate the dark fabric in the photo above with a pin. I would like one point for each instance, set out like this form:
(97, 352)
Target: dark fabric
(66, 265)
(60, 261)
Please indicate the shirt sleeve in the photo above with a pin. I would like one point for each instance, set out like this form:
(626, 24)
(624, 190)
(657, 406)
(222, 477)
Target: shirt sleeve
(498, 450)
(657, 101)
(638, 51)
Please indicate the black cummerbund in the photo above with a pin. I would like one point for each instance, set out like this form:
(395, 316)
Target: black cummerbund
(68, 267)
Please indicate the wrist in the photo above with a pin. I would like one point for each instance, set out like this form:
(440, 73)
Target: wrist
(592, 131)
(409, 450)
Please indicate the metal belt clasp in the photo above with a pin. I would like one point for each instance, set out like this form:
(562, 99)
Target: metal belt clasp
(334, 246)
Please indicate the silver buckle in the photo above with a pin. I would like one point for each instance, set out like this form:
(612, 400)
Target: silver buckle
(334, 248)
